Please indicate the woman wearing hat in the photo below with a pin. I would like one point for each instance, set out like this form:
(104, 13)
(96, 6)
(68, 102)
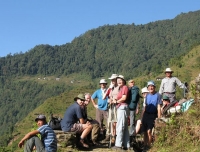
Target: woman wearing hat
(122, 131)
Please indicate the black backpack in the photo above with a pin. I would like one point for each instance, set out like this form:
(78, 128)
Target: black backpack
(55, 122)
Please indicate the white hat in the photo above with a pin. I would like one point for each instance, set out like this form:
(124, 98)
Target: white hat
(145, 90)
(168, 70)
(113, 76)
(102, 81)
(121, 76)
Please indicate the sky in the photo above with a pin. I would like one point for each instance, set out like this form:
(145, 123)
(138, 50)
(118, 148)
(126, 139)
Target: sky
(27, 23)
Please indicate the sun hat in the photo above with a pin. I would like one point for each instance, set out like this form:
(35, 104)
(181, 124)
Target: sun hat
(168, 70)
(102, 81)
(122, 77)
(40, 117)
(80, 96)
(113, 76)
(151, 83)
(144, 90)
(165, 97)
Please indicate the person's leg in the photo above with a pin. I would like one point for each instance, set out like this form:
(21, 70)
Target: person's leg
(126, 138)
(132, 122)
(99, 118)
(149, 138)
(138, 126)
(34, 141)
(119, 128)
(95, 132)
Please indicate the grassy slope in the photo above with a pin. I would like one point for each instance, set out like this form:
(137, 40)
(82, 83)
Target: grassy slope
(57, 105)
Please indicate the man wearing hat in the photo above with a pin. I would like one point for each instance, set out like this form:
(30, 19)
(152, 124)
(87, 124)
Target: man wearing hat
(74, 114)
(152, 110)
(168, 85)
(102, 104)
(48, 142)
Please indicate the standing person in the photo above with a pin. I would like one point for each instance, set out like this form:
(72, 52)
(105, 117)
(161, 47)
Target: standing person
(101, 106)
(122, 139)
(48, 142)
(74, 114)
(133, 104)
(152, 110)
(168, 85)
(112, 112)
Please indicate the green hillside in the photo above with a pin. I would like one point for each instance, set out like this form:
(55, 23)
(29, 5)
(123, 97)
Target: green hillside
(57, 105)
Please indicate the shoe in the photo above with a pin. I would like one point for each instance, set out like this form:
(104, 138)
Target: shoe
(81, 142)
(113, 140)
(107, 138)
(116, 148)
(95, 143)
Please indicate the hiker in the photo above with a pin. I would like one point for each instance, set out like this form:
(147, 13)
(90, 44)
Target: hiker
(168, 85)
(101, 106)
(133, 104)
(71, 117)
(139, 121)
(48, 142)
(95, 125)
(112, 111)
(122, 131)
(152, 110)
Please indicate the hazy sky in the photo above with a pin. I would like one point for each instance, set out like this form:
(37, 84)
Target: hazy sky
(25, 23)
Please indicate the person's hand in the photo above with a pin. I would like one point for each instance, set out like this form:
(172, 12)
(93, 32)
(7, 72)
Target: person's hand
(21, 143)
(88, 123)
(111, 85)
(137, 111)
(96, 106)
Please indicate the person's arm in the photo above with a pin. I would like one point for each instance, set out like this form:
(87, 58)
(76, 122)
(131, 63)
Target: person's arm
(27, 136)
(181, 85)
(161, 88)
(159, 110)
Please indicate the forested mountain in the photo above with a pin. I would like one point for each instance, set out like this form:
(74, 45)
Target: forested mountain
(128, 49)
(131, 50)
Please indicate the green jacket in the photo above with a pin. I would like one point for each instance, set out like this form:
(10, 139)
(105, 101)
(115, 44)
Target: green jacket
(134, 97)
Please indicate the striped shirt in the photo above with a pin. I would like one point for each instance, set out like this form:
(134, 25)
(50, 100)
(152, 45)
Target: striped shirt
(169, 85)
(48, 138)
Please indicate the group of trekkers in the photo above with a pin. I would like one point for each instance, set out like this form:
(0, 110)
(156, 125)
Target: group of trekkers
(116, 105)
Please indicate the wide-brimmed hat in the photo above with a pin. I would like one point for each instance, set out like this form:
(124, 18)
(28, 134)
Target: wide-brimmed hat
(144, 90)
(121, 76)
(40, 117)
(168, 70)
(80, 96)
(113, 76)
(151, 83)
(165, 97)
(102, 81)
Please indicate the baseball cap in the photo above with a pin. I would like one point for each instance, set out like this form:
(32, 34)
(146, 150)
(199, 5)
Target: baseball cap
(40, 117)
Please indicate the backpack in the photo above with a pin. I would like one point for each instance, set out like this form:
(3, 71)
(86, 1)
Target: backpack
(55, 122)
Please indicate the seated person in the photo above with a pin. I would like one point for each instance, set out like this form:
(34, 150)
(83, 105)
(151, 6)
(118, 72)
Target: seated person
(48, 142)
(95, 125)
(74, 114)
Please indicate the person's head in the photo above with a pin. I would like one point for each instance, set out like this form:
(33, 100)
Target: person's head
(80, 99)
(131, 83)
(144, 92)
(165, 99)
(103, 83)
(87, 99)
(151, 87)
(121, 81)
(41, 120)
(168, 72)
(113, 79)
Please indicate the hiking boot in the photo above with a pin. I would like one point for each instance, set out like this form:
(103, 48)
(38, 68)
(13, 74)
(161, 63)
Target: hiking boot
(81, 142)
(95, 143)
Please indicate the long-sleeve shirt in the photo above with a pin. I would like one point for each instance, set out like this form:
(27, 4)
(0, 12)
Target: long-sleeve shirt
(169, 85)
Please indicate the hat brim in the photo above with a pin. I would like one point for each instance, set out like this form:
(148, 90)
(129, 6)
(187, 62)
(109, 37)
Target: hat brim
(169, 71)
(78, 98)
(39, 119)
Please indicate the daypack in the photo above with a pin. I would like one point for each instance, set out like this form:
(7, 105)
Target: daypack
(55, 122)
